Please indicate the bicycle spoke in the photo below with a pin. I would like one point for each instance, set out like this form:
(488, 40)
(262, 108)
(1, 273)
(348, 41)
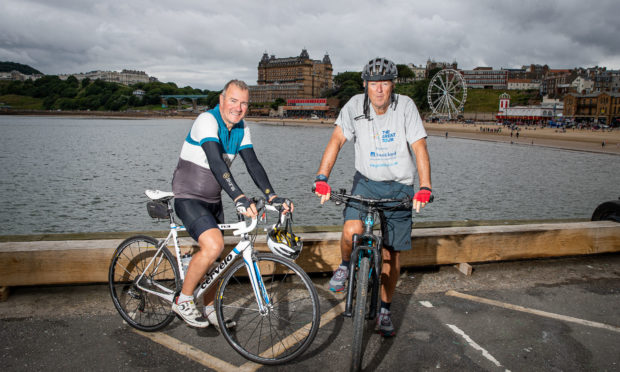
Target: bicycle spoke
(139, 257)
(291, 319)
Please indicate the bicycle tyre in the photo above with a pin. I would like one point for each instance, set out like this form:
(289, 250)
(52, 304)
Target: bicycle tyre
(359, 313)
(142, 310)
(290, 325)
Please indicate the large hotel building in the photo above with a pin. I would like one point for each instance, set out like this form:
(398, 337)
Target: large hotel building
(291, 78)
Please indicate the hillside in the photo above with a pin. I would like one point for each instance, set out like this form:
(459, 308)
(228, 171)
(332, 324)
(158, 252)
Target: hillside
(14, 66)
(487, 100)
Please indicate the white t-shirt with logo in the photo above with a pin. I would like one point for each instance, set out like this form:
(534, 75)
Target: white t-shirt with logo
(383, 143)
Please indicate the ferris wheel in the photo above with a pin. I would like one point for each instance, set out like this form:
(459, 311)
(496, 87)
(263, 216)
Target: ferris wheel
(447, 93)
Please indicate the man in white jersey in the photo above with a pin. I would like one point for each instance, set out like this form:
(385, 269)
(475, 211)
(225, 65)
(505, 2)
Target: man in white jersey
(387, 132)
(215, 139)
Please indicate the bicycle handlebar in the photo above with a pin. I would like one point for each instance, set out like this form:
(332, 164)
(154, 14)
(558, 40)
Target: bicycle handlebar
(341, 196)
(242, 227)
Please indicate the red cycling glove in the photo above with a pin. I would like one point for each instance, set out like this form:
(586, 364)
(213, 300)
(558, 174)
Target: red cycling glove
(322, 187)
(424, 195)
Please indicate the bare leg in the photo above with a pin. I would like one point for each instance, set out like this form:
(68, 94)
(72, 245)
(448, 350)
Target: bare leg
(211, 244)
(350, 228)
(390, 271)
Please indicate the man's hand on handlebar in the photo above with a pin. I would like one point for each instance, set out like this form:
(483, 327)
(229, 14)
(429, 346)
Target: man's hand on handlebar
(246, 207)
(421, 198)
(322, 189)
(286, 204)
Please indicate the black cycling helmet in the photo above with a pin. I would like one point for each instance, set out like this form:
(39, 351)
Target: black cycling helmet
(378, 69)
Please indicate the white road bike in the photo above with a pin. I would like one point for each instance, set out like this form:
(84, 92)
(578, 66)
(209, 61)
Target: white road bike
(267, 307)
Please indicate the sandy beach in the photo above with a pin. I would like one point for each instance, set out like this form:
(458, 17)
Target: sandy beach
(578, 140)
(572, 139)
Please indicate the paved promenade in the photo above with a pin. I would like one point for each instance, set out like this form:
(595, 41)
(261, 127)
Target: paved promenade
(537, 315)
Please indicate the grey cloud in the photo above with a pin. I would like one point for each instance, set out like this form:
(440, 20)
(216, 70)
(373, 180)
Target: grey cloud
(204, 44)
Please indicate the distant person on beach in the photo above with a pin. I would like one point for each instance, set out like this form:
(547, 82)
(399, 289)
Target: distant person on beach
(215, 139)
(446, 134)
(387, 131)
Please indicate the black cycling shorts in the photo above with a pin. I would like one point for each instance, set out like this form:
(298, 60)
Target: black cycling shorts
(198, 216)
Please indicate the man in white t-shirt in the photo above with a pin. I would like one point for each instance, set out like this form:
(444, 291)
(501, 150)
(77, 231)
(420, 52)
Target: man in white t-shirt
(390, 143)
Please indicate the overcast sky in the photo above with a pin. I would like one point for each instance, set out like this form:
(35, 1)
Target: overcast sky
(206, 43)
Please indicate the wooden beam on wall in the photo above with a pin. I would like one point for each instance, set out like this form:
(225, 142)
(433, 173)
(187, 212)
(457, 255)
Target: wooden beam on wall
(87, 261)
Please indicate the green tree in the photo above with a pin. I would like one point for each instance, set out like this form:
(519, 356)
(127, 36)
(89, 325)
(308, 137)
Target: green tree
(404, 72)
(343, 77)
(213, 99)
(277, 103)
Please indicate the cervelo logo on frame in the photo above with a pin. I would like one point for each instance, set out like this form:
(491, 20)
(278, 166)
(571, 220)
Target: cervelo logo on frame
(218, 269)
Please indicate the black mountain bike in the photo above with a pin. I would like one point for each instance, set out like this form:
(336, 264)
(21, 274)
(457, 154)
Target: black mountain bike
(365, 265)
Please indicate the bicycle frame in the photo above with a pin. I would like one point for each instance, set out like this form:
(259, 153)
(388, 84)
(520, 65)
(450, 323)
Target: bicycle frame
(243, 248)
(366, 244)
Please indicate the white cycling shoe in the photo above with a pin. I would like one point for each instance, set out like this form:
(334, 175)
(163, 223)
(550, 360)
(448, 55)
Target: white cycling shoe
(188, 312)
(208, 312)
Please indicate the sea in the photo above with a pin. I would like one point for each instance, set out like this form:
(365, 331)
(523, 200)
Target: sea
(73, 175)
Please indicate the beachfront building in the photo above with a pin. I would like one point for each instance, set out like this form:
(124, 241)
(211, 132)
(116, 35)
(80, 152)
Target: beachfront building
(432, 64)
(599, 107)
(582, 85)
(291, 78)
(607, 81)
(125, 77)
(419, 72)
(536, 114)
(313, 108)
(556, 83)
(536, 72)
(523, 84)
(18, 76)
(485, 78)
(516, 73)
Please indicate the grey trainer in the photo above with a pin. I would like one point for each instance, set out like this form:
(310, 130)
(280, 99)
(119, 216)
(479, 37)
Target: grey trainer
(384, 323)
(338, 280)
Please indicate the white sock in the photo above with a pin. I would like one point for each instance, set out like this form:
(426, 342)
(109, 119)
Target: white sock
(208, 310)
(184, 298)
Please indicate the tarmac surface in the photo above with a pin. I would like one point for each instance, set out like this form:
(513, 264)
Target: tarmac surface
(559, 314)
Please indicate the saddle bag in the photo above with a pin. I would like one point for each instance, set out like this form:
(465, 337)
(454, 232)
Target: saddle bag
(157, 209)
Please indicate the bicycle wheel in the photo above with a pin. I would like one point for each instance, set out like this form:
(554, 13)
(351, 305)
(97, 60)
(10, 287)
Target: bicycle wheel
(291, 321)
(359, 313)
(142, 310)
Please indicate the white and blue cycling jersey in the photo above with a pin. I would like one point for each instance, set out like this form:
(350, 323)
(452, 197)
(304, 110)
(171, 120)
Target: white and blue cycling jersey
(193, 177)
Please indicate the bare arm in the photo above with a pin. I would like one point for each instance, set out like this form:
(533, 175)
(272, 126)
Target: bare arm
(423, 164)
(330, 155)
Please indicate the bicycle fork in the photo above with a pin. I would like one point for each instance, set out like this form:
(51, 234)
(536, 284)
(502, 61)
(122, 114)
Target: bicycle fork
(254, 274)
(374, 249)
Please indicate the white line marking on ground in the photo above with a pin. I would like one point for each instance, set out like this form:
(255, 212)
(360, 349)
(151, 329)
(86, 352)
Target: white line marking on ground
(534, 311)
(217, 364)
(332, 314)
(473, 344)
(426, 303)
(196, 355)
